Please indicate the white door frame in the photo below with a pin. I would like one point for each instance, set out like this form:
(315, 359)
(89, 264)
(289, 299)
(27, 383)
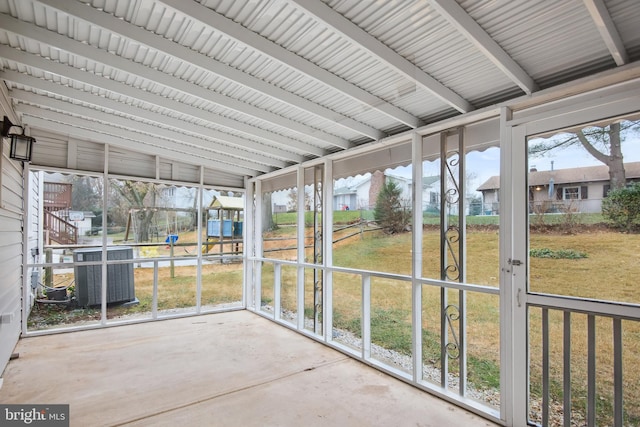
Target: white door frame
(515, 298)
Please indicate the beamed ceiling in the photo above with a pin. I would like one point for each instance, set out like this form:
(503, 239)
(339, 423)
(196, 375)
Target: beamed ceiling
(241, 88)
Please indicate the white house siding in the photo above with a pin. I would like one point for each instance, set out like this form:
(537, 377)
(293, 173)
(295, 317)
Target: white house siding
(34, 246)
(344, 200)
(11, 240)
(491, 202)
(592, 204)
(362, 196)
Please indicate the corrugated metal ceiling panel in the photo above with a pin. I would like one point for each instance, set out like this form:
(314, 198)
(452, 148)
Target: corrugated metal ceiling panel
(559, 35)
(148, 55)
(418, 33)
(626, 17)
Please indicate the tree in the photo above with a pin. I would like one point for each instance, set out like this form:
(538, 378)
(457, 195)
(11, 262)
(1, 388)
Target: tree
(622, 207)
(292, 200)
(603, 143)
(138, 198)
(267, 213)
(390, 212)
(86, 193)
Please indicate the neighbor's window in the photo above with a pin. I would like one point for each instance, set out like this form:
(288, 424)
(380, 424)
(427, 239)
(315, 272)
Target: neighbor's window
(571, 193)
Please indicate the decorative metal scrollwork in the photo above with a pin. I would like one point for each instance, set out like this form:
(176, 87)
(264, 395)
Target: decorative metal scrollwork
(452, 195)
(452, 236)
(452, 314)
(452, 273)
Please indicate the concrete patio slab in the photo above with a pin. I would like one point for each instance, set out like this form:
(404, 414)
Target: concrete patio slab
(223, 369)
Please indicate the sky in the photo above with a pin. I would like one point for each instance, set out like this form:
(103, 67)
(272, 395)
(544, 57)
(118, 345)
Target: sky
(487, 163)
(481, 165)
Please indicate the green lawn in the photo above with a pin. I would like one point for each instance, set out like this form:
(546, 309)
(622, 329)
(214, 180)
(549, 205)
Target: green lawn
(607, 268)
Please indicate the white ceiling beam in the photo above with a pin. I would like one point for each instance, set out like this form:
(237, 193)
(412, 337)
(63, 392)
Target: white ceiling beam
(80, 128)
(608, 31)
(468, 27)
(154, 41)
(383, 53)
(230, 143)
(68, 72)
(83, 50)
(266, 47)
(187, 142)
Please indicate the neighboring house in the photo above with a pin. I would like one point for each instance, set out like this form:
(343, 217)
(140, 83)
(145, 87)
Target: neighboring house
(82, 220)
(578, 189)
(364, 193)
(180, 197)
(279, 208)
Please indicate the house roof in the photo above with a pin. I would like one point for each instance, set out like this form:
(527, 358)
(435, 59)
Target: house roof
(244, 88)
(227, 202)
(428, 181)
(344, 190)
(581, 175)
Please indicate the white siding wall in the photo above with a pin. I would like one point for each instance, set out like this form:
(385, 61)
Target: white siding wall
(34, 245)
(593, 204)
(11, 206)
(362, 196)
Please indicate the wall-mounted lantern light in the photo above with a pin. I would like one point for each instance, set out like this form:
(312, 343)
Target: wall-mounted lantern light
(21, 144)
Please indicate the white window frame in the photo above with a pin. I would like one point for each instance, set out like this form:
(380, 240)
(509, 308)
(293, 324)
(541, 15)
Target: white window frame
(566, 193)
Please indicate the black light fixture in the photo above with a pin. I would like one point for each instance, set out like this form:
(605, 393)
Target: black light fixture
(21, 144)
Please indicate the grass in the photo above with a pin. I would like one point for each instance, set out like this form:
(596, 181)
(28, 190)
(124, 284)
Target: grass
(593, 263)
(556, 266)
(339, 217)
(349, 217)
(221, 284)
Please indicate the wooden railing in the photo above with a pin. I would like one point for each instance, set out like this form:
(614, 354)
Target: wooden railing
(59, 230)
(57, 196)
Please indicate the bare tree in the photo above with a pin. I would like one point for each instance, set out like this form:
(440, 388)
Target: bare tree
(138, 198)
(292, 200)
(267, 213)
(604, 143)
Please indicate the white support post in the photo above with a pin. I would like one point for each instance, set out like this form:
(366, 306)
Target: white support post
(256, 279)
(416, 273)
(277, 290)
(462, 263)
(26, 221)
(154, 301)
(514, 206)
(199, 243)
(300, 240)
(520, 249)
(248, 241)
(105, 208)
(365, 322)
(506, 293)
(327, 257)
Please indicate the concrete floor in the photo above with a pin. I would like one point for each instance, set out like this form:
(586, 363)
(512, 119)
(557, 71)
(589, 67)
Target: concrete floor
(229, 369)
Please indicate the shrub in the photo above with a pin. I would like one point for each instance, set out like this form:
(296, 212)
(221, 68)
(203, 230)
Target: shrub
(556, 254)
(390, 212)
(621, 207)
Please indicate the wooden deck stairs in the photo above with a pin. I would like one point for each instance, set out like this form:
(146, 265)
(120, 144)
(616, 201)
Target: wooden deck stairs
(57, 201)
